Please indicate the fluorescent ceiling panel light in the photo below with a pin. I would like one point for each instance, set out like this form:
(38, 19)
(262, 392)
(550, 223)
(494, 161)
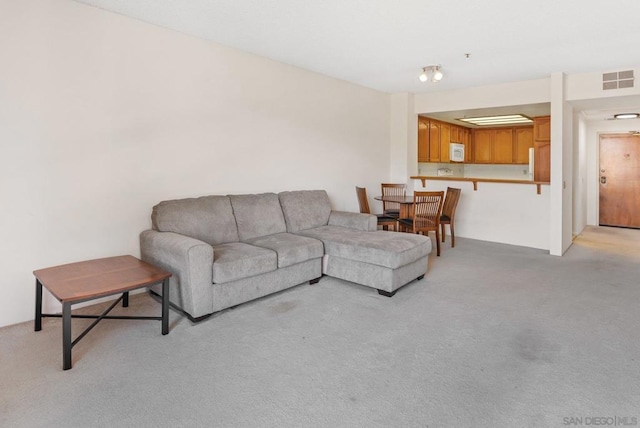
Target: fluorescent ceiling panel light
(626, 116)
(507, 119)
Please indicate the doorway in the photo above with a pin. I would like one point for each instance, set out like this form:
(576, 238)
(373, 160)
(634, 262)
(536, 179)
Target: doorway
(619, 175)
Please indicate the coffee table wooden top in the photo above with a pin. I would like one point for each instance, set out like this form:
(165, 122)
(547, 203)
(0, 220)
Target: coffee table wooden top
(91, 279)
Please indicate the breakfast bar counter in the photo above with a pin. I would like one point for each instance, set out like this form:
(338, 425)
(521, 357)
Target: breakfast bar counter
(506, 210)
(475, 181)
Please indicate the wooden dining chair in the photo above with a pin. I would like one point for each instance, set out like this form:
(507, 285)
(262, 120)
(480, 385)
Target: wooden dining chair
(449, 212)
(383, 220)
(392, 209)
(427, 209)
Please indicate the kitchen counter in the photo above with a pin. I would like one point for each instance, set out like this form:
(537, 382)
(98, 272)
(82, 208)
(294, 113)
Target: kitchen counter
(475, 181)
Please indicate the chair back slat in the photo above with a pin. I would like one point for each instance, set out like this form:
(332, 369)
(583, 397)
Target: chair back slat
(427, 210)
(393, 189)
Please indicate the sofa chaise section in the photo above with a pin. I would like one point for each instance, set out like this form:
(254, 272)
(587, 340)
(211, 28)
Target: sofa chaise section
(355, 251)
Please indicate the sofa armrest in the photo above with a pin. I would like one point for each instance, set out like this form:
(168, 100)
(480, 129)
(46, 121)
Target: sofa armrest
(351, 220)
(191, 263)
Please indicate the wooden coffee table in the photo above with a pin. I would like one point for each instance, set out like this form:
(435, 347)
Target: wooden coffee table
(92, 279)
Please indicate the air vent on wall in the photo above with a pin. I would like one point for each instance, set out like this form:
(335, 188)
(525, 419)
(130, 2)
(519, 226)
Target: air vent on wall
(617, 80)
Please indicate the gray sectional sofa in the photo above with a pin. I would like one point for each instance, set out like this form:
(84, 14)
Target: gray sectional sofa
(227, 250)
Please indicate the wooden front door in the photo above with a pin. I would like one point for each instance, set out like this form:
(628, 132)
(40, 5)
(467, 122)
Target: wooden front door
(620, 180)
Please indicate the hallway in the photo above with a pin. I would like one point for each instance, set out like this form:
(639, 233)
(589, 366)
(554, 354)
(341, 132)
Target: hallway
(615, 240)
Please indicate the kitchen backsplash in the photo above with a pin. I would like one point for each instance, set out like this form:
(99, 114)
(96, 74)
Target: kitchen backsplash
(505, 172)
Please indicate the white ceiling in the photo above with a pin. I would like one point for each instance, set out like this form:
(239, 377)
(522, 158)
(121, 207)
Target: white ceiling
(383, 44)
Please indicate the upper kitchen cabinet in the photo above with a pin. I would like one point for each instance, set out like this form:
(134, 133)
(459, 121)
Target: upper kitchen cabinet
(493, 145)
(465, 138)
(523, 141)
(482, 141)
(503, 146)
(499, 145)
(434, 138)
(429, 136)
(423, 139)
(542, 148)
(434, 141)
(445, 140)
(542, 128)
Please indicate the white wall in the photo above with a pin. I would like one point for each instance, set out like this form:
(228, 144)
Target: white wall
(506, 94)
(579, 174)
(403, 154)
(507, 213)
(102, 116)
(561, 167)
(587, 86)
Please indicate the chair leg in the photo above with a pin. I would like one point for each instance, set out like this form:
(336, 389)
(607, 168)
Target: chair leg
(438, 241)
(442, 231)
(453, 236)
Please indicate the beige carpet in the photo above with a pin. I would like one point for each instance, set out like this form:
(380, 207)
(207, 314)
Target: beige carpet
(494, 336)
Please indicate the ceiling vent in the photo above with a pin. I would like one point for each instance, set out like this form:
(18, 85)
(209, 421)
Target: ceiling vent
(617, 80)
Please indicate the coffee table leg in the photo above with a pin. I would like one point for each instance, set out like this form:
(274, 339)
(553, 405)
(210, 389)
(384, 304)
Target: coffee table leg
(66, 335)
(125, 299)
(38, 318)
(165, 306)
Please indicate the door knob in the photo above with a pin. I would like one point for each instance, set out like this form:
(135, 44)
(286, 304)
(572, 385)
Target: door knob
(603, 180)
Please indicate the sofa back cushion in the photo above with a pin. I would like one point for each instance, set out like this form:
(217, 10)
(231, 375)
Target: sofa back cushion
(257, 215)
(305, 209)
(209, 218)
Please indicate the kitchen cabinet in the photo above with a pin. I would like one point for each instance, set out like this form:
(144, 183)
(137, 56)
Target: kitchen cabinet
(445, 140)
(542, 128)
(503, 146)
(506, 145)
(429, 140)
(523, 141)
(465, 138)
(423, 139)
(455, 134)
(434, 141)
(542, 148)
(493, 145)
(482, 139)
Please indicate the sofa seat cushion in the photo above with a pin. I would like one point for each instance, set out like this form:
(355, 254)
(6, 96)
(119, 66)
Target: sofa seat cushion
(237, 260)
(388, 249)
(291, 249)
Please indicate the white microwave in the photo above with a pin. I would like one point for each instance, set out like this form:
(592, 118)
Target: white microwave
(456, 152)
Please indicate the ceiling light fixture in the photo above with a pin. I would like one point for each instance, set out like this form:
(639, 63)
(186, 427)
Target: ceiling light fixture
(626, 116)
(507, 119)
(431, 73)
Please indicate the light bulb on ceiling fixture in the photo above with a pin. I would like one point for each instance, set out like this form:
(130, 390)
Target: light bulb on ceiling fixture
(437, 74)
(423, 76)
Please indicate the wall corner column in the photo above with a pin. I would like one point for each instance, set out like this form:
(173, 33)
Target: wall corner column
(403, 153)
(561, 200)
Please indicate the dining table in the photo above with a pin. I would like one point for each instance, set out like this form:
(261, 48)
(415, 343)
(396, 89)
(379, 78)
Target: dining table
(406, 204)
